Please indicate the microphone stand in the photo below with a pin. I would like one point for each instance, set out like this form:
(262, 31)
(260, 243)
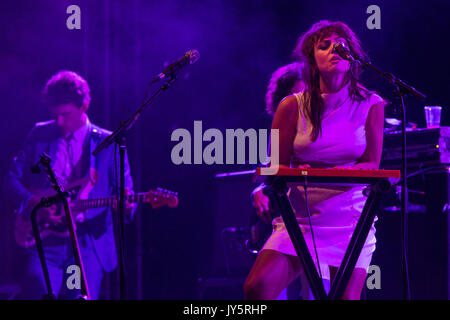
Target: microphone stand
(46, 202)
(40, 249)
(119, 137)
(401, 89)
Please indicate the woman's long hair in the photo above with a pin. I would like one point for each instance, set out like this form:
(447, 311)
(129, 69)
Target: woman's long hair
(304, 51)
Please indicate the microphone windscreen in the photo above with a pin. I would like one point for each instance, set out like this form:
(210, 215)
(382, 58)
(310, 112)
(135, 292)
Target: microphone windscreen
(194, 55)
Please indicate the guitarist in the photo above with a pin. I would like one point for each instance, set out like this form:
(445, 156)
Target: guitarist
(69, 140)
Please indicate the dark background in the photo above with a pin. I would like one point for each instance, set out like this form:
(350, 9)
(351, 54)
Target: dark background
(122, 45)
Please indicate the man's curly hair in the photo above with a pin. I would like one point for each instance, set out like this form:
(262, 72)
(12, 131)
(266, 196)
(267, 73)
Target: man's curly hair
(280, 85)
(66, 87)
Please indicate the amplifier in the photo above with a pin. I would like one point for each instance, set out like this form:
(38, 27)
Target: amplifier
(423, 147)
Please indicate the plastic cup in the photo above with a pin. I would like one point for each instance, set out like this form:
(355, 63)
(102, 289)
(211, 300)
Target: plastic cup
(433, 116)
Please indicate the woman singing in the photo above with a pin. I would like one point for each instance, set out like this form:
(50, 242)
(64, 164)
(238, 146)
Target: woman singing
(333, 122)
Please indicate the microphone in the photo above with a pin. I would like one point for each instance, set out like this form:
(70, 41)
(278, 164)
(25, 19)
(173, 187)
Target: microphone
(189, 57)
(45, 160)
(341, 49)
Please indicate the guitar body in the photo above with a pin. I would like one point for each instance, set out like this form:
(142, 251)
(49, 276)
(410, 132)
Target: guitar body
(23, 232)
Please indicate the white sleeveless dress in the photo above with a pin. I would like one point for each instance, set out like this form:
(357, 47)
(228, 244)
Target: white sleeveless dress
(334, 210)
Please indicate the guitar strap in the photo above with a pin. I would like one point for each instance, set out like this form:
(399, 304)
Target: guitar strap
(94, 138)
(69, 166)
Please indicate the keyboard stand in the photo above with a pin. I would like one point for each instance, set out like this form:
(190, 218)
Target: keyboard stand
(276, 190)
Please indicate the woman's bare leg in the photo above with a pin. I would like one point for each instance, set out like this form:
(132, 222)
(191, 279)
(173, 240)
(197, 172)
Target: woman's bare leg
(355, 284)
(270, 274)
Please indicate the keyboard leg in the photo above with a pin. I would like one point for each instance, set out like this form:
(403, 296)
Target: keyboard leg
(278, 197)
(358, 239)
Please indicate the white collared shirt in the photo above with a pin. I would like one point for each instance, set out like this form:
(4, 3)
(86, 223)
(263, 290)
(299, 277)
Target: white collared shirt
(63, 166)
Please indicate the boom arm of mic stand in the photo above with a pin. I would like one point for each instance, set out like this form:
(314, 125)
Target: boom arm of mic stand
(126, 125)
(393, 79)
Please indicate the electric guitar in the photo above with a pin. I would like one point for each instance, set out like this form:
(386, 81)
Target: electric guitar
(81, 188)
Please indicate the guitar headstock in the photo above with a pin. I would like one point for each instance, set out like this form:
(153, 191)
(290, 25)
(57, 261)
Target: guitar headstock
(161, 197)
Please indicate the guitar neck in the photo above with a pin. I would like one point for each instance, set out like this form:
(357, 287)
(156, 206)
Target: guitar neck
(81, 205)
